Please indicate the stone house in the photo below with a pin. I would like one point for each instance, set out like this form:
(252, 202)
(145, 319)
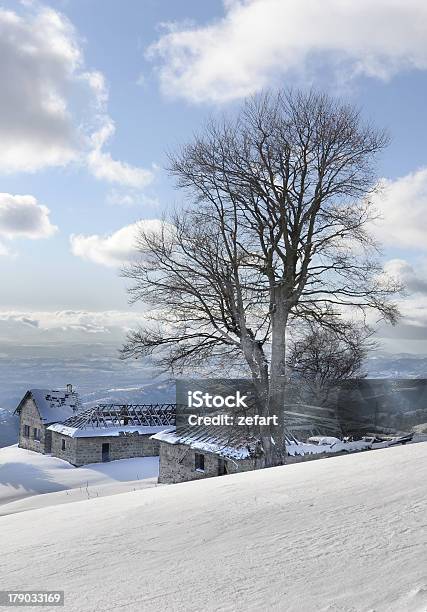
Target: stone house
(38, 409)
(202, 452)
(197, 452)
(109, 432)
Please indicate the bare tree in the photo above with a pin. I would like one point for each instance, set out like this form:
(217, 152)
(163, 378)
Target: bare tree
(276, 229)
(322, 357)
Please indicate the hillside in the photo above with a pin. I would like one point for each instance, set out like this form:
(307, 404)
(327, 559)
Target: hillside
(31, 480)
(340, 535)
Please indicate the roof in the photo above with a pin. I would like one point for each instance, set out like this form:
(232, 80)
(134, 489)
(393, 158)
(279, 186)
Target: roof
(226, 442)
(53, 406)
(222, 442)
(117, 419)
(307, 419)
(74, 432)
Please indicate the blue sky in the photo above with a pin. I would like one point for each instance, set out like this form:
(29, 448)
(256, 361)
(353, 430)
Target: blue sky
(155, 70)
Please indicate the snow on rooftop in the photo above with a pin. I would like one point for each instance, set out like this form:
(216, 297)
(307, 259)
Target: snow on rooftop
(216, 440)
(55, 406)
(305, 448)
(92, 432)
(223, 441)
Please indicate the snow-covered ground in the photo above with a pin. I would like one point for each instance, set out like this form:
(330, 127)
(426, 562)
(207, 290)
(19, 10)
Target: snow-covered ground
(346, 534)
(30, 480)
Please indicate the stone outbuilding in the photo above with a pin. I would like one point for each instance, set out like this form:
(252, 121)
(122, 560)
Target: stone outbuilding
(111, 431)
(202, 452)
(38, 409)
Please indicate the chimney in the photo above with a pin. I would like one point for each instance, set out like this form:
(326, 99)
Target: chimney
(69, 388)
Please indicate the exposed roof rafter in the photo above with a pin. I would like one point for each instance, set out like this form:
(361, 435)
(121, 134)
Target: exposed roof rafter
(123, 415)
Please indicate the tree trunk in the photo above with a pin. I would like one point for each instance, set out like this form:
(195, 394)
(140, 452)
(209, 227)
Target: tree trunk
(276, 448)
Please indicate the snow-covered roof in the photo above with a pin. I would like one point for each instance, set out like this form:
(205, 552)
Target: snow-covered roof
(224, 441)
(219, 440)
(306, 448)
(117, 419)
(53, 406)
(91, 432)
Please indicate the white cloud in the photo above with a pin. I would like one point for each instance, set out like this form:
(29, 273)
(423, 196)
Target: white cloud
(105, 168)
(412, 326)
(412, 280)
(402, 204)
(39, 58)
(4, 251)
(21, 216)
(118, 198)
(53, 110)
(68, 324)
(131, 197)
(414, 312)
(112, 250)
(258, 42)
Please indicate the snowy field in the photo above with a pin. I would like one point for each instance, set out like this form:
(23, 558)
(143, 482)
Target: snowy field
(345, 534)
(30, 480)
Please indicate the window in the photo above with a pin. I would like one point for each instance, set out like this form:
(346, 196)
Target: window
(63, 444)
(36, 433)
(26, 431)
(199, 462)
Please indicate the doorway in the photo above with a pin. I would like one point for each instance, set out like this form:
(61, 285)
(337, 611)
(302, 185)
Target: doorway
(47, 441)
(222, 467)
(105, 451)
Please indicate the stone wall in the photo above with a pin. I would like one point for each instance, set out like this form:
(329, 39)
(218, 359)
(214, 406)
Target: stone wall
(70, 452)
(30, 416)
(80, 451)
(178, 464)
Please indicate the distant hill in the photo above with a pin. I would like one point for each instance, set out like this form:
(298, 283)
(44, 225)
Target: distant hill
(150, 393)
(88, 368)
(402, 365)
(8, 428)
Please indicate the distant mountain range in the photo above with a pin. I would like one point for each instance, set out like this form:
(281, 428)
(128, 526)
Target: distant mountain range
(402, 365)
(8, 428)
(100, 376)
(151, 393)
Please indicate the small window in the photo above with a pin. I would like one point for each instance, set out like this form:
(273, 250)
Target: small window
(26, 431)
(63, 444)
(199, 462)
(36, 433)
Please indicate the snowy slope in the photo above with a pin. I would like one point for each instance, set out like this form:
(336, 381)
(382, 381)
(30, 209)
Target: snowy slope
(50, 481)
(346, 534)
